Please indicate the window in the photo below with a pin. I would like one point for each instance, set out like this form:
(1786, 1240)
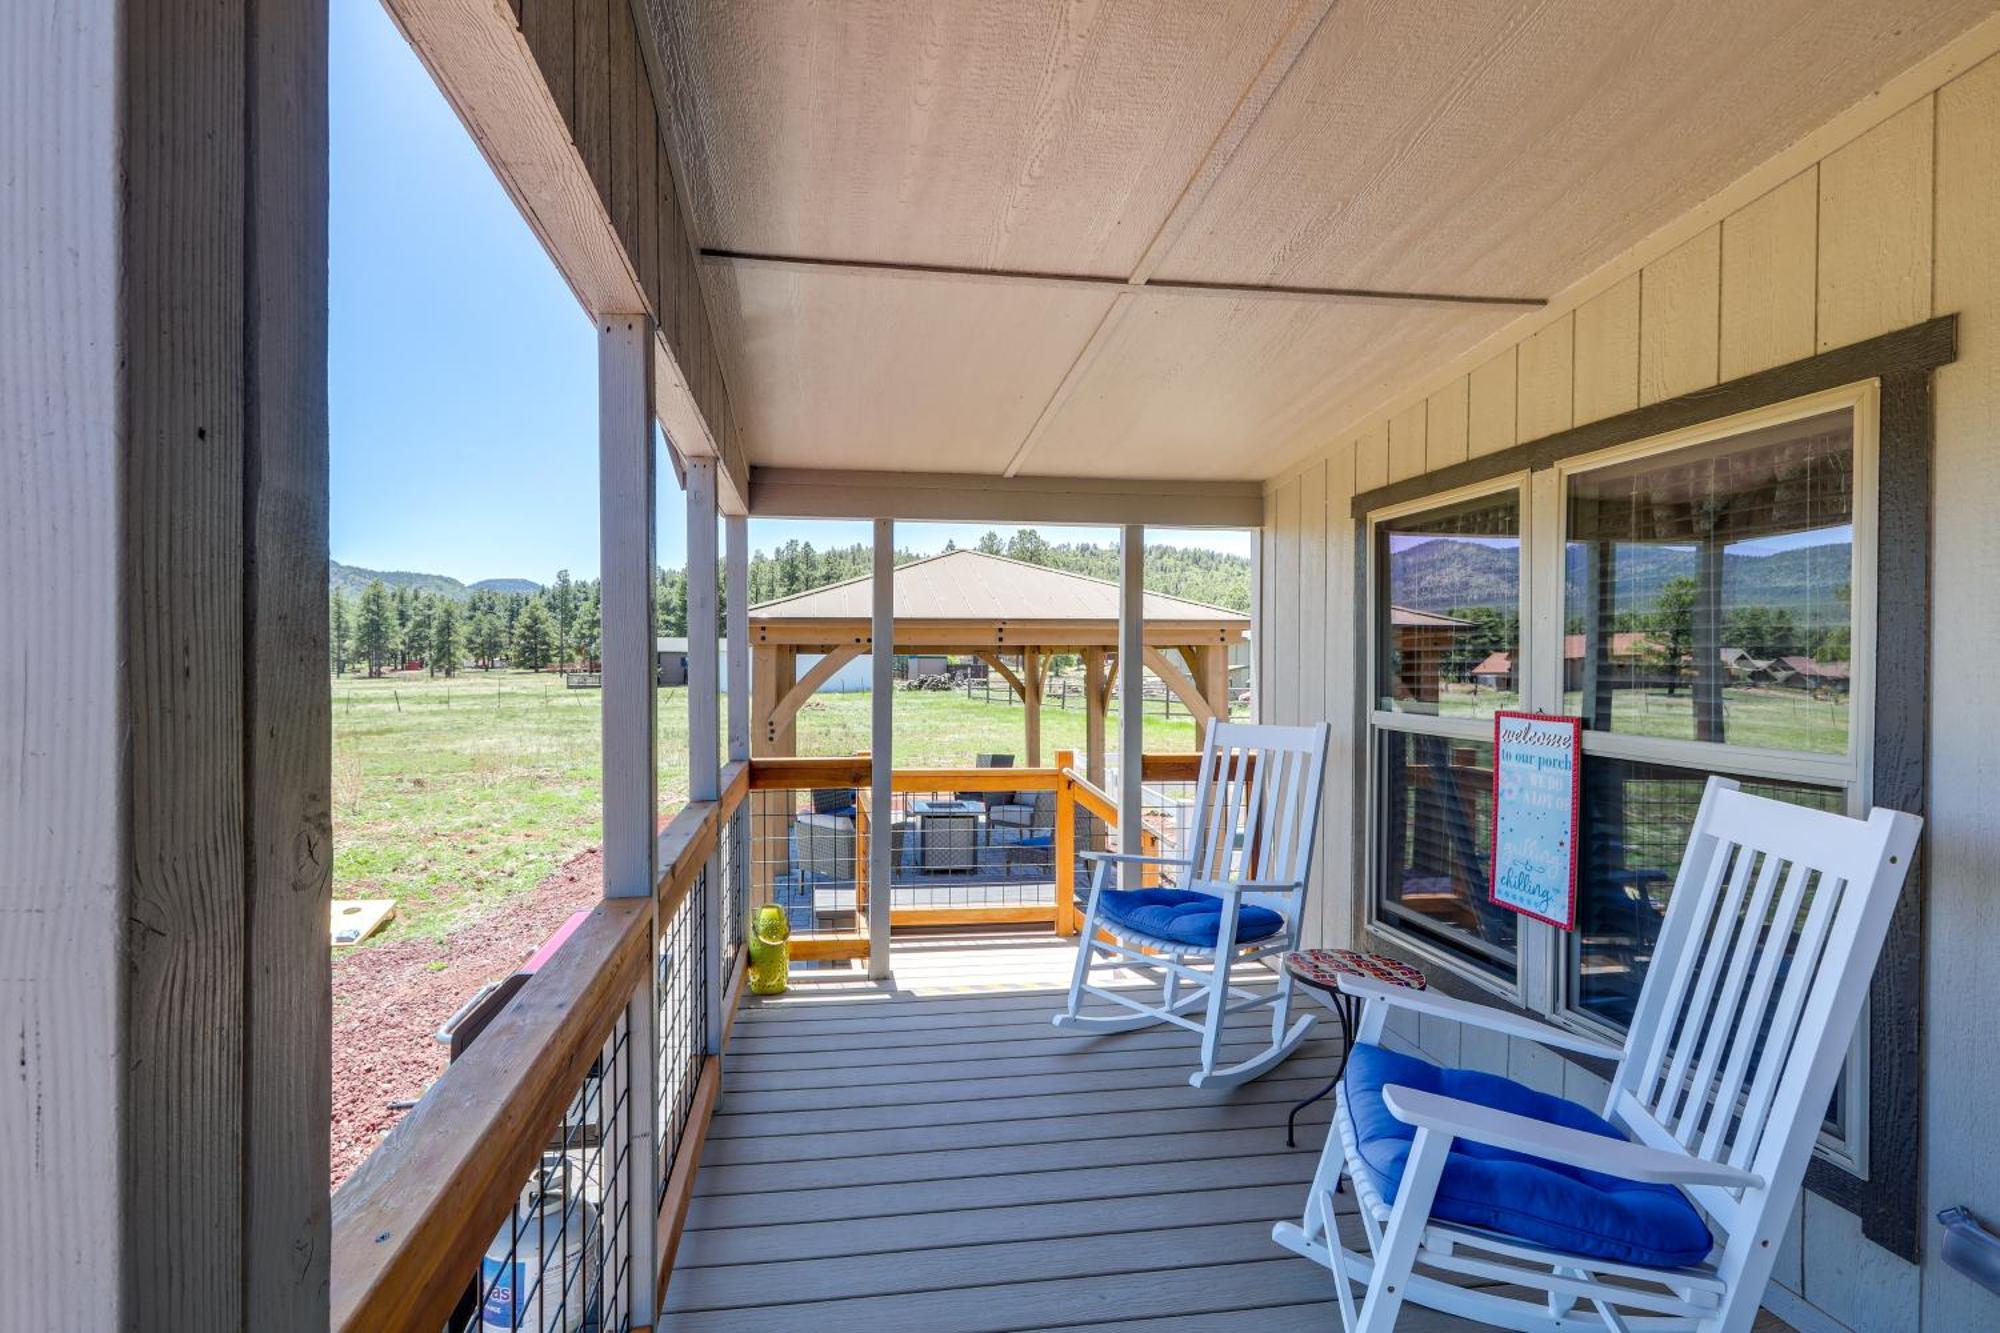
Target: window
(1707, 608)
(1447, 636)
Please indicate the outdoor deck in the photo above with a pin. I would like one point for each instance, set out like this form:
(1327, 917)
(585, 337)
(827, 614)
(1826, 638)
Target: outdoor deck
(935, 1156)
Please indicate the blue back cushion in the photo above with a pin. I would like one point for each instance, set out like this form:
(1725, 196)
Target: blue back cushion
(1546, 1203)
(1185, 917)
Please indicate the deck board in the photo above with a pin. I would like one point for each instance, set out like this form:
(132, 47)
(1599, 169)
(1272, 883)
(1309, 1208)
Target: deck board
(930, 1154)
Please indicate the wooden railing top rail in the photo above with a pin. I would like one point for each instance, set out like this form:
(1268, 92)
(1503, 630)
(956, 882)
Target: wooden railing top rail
(780, 772)
(410, 1225)
(686, 841)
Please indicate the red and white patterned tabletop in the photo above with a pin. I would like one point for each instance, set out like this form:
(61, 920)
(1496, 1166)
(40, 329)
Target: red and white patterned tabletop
(1323, 968)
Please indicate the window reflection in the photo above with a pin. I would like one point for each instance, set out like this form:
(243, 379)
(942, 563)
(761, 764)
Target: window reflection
(1449, 621)
(1707, 591)
(1636, 822)
(1437, 842)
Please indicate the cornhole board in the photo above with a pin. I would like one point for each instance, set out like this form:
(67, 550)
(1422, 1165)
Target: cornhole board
(355, 919)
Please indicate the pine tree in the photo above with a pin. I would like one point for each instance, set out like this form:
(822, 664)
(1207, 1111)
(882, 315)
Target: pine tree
(590, 627)
(417, 644)
(1030, 546)
(562, 600)
(486, 636)
(375, 627)
(990, 544)
(405, 604)
(340, 630)
(445, 644)
(533, 637)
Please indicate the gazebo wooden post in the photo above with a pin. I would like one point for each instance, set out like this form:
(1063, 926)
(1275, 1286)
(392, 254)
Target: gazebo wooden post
(772, 668)
(1031, 703)
(1094, 687)
(1211, 676)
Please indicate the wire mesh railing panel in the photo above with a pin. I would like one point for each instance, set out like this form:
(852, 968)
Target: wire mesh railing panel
(1168, 824)
(735, 908)
(681, 1018)
(967, 853)
(807, 852)
(562, 1260)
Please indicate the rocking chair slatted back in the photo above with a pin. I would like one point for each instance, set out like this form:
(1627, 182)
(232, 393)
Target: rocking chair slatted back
(1752, 967)
(1255, 808)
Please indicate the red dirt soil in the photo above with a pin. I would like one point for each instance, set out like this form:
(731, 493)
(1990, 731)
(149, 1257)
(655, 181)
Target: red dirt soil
(389, 999)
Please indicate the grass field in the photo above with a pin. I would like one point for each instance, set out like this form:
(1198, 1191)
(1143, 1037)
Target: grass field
(1764, 717)
(453, 796)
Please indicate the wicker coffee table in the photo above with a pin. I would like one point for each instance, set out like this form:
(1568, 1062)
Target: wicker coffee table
(1320, 970)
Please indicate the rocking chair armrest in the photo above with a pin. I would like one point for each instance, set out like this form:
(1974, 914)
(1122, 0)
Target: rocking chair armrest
(1225, 887)
(1558, 1143)
(1478, 1015)
(1135, 858)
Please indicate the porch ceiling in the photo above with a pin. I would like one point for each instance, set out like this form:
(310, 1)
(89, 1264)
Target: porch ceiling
(1455, 150)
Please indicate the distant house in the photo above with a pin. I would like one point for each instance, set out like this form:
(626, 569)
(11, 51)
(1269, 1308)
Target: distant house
(1631, 652)
(1803, 673)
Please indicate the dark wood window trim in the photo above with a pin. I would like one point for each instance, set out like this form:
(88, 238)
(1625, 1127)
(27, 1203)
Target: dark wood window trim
(1889, 1203)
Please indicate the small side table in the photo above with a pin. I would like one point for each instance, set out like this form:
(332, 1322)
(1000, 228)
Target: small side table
(1320, 970)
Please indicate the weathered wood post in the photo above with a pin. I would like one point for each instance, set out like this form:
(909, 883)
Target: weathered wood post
(627, 465)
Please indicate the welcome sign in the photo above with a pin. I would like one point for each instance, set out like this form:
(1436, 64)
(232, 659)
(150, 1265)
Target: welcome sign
(1537, 794)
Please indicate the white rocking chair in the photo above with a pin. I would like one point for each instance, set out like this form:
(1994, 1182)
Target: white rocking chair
(1239, 897)
(1753, 995)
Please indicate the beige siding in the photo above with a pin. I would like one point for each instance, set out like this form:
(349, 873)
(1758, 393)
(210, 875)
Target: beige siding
(1406, 443)
(1678, 299)
(1965, 766)
(1446, 422)
(1884, 230)
(1607, 352)
(1492, 405)
(1770, 267)
(1542, 404)
(1875, 206)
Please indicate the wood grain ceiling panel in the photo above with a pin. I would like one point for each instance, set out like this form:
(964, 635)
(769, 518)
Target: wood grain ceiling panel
(1046, 136)
(1490, 149)
(1233, 390)
(838, 370)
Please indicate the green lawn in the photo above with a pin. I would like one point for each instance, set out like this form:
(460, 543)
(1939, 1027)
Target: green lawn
(1763, 717)
(453, 796)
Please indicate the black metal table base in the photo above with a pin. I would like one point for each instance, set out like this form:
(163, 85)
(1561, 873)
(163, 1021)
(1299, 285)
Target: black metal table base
(1344, 1006)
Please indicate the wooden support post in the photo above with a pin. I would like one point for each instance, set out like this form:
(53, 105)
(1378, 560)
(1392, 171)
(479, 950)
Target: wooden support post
(704, 713)
(1031, 700)
(736, 598)
(1211, 675)
(626, 468)
(1132, 697)
(165, 861)
(771, 670)
(1094, 686)
(861, 855)
(1062, 845)
(881, 748)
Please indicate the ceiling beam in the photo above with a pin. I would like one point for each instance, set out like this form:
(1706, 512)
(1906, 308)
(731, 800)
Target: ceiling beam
(1102, 282)
(983, 498)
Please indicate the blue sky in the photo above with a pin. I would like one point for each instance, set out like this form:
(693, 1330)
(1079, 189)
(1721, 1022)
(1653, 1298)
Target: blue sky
(462, 373)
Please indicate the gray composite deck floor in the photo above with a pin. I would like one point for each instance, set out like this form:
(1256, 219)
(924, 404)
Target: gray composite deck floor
(932, 1155)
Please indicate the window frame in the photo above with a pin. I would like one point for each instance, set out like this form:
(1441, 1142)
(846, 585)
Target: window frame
(1379, 719)
(1901, 362)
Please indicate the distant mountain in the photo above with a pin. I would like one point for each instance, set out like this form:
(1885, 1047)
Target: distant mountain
(354, 580)
(507, 585)
(1445, 575)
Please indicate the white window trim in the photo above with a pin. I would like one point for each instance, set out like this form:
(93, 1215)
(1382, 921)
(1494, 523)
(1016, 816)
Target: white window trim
(1541, 981)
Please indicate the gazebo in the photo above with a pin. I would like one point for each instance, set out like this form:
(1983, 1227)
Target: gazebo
(969, 603)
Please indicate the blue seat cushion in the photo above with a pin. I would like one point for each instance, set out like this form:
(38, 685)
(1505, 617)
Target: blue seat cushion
(1543, 1202)
(1184, 916)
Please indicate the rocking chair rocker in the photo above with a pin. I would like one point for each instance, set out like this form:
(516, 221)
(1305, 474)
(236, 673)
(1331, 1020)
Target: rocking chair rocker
(1239, 897)
(1664, 1211)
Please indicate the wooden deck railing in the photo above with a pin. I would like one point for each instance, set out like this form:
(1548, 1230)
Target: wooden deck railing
(411, 1226)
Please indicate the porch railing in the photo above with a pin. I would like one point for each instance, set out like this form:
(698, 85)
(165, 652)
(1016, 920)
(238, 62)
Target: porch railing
(544, 1179)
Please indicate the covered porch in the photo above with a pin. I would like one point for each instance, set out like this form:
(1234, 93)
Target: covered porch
(1334, 274)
